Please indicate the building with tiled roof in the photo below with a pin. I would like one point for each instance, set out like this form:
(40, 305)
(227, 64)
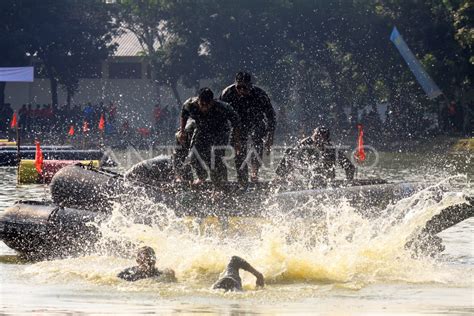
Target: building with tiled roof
(128, 45)
(124, 78)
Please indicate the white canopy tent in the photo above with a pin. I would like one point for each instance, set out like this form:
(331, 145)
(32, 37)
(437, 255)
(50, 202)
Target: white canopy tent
(16, 74)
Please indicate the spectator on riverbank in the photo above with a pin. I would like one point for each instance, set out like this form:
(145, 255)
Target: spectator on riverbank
(467, 127)
(112, 112)
(23, 117)
(157, 113)
(29, 118)
(6, 113)
(88, 112)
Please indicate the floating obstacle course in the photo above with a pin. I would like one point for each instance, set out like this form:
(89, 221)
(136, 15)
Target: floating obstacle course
(6, 142)
(464, 145)
(10, 155)
(27, 173)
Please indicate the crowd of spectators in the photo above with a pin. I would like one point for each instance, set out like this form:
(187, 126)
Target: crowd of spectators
(79, 123)
(165, 120)
(456, 118)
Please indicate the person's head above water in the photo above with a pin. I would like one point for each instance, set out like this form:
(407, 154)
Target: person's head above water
(146, 258)
(205, 98)
(321, 134)
(146, 261)
(243, 82)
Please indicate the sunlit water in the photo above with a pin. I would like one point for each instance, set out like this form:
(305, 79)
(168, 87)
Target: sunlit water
(343, 264)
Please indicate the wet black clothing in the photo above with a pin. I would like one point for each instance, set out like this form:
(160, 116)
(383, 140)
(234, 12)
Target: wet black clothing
(213, 124)
(134, 274)
(257, 120)
(180, 166)
(212, 130)
(23, 116)
(254, 109)
(6, 115)
(231, 280)
(315, 162)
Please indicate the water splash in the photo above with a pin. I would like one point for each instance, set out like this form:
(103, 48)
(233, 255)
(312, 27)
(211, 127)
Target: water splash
(342, 247)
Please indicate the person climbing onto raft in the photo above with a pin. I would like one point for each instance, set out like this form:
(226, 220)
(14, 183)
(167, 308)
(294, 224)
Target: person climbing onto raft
(231, 280)
(146, 260)
(316, 157)
(211, 136)
(257, 119)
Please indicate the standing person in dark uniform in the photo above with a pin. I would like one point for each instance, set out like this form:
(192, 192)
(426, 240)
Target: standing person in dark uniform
(316, 157)
(231, 280)
(8, 116)
(23, 115)
(29, 119)
(212, 119)
(37, 120)
(165, 118)
(468, 118)
(3, 123)
(6, 113)
(257, 120)
(158, 117)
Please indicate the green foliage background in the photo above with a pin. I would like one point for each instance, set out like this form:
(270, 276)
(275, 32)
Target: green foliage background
(315, 58)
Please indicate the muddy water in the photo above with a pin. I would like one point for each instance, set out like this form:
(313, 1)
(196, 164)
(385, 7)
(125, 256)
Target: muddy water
(356, 267)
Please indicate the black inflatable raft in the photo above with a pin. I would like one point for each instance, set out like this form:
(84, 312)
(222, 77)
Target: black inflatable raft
(82, 196)
(41, 229)
(82, 187)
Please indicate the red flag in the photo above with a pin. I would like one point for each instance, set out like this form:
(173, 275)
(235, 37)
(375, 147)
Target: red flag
(39, 158)
(85, 127)
(102, 122)
(71, 131)
(14, 122)
(360, 153)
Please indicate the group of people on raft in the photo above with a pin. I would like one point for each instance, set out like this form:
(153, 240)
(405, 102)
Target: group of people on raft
(242, 117)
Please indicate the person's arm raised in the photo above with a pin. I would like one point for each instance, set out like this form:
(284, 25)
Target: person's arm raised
(240, 263)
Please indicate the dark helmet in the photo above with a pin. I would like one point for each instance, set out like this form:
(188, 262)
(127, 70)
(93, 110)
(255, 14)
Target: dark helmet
(321, 132)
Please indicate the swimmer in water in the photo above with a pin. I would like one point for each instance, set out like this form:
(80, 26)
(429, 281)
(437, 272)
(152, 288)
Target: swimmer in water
(146, 261)
(231, 280)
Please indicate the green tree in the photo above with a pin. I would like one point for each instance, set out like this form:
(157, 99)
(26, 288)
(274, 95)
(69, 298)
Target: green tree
(15, 39)
(463, 15)
(70, 35)
(173, 55)
(429, 27)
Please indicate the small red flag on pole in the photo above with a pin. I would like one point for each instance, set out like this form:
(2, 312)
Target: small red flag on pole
(71, 130)
(39, 158)
(14, 122)
(360, 153)
(85, 127)
(102, 122)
